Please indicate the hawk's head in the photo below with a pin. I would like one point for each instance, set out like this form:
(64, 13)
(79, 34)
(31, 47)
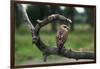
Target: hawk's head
(64, 27)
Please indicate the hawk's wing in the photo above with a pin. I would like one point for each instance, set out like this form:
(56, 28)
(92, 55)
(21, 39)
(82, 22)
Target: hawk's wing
(61, 37)
(65, 35)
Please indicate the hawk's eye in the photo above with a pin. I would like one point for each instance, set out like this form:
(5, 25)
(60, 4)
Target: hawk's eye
(64, 26)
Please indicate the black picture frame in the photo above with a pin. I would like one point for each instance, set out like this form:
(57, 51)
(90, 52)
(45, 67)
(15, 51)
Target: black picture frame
(12, 62)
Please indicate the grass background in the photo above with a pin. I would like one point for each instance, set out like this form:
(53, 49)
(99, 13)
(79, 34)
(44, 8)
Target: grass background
(81, 39)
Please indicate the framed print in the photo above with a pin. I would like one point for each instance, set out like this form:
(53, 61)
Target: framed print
(51, 34)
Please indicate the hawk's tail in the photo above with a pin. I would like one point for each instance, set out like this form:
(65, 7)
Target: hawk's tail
(60, 48)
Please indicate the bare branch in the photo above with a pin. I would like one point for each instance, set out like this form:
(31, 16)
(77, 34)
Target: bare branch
(25, 17)
(69, 53)
(54, 17)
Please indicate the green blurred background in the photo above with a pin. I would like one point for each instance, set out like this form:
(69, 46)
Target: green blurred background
(81, 35)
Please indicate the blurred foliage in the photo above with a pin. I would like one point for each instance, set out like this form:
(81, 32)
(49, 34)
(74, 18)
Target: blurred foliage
(37, 12)
(42, 11)
(90, 15)
(17, 17)
(81, 39)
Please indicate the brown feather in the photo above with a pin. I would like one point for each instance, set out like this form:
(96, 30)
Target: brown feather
(61, 36)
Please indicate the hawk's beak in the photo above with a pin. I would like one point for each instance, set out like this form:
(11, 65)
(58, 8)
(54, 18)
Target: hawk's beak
(68, 28)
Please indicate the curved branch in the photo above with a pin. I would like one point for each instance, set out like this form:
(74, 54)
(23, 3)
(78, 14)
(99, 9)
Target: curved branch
(53, 17)
(47, 50)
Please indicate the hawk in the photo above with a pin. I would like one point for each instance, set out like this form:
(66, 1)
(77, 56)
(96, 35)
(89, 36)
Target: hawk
(61, 36)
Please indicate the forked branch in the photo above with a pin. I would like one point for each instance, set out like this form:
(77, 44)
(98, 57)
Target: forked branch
(48, 50)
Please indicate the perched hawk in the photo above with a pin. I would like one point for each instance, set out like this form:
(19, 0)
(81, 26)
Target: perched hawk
(61, 36)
